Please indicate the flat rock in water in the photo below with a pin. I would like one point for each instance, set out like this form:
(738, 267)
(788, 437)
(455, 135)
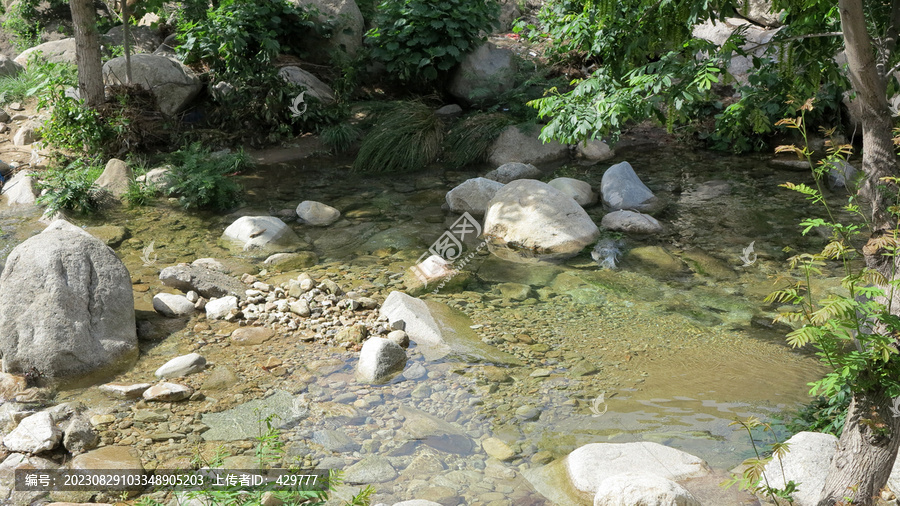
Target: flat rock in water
(335, 441)
(434, 432)
(242, 422)
(167, 392)
(438, 330)
(371, 469)
(124, 391)
(248, 336)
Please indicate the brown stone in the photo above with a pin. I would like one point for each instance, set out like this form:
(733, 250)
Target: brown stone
(248, 336)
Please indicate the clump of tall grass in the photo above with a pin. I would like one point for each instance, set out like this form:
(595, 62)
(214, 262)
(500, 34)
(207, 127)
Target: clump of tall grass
(406, 137)
(339, 137)
(471, 138)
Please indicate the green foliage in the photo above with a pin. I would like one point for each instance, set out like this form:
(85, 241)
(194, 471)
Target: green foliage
(407, 137)
(469, 140)
(823, 414)
(238, 38)
(752, 478)
(423, 39)
(340, 136)
(238, 41)
(139, 194)
(647, 67)
(21, 22)
(852, 332)
(38, 80)
(71, 188)
(202, 179)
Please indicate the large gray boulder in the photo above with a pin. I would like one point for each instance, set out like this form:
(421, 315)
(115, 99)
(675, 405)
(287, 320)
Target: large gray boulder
(756, 43)
(472, 196)
(143, 38)
(516, 145)
(628, 489)
(807, 463)
(55, 51)
(68, 307)
(531, 221)
(314, 86)
(483, 75)
(346, 37)
(172, 83)
(621, 188)
(9, 67)
(590, 465)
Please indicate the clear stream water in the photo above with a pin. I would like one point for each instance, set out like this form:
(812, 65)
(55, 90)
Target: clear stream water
(682, 341)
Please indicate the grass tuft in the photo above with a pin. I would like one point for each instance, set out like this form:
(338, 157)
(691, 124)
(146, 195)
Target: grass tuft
(471, 138)
(406, 138)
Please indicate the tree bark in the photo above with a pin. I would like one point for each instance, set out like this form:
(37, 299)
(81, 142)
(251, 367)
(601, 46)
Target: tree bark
(868, 445)
(87, 52)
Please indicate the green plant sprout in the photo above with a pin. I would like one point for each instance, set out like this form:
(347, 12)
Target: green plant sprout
(753, 477)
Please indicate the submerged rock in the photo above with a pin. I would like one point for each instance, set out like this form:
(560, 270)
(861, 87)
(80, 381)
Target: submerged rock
(261, 235)
(317, 213)
(631, 222)
(438, 330)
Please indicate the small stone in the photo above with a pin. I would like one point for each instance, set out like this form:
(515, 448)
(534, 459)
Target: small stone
(102, 419)
(124, 391)
(497, 449)
(353, 334)
(168, 392)
(300, 308)
(528, 413)
(192, 296)
(181, 366)
(540, 373)
(400, 337)
(415, 371)
(249, 336)
(221, 307)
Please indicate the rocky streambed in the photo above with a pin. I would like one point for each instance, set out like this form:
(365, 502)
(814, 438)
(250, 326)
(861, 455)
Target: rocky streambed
(544, 359)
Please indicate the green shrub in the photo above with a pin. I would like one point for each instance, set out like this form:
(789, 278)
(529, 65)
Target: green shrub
(38, 80)
(202, 179)
(71, 188)
(423, 39)
(139, 194)
(340, 136)
(22, 25)
(406, 138)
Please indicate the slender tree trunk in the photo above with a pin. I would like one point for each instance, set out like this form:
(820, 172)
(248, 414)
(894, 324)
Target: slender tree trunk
(87, 52)
(126, 35)
(868, 445)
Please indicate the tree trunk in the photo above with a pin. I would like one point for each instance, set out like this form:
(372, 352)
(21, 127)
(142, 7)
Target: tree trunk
(868, 445)
(87, 52)
(126, 35)
(865, 453)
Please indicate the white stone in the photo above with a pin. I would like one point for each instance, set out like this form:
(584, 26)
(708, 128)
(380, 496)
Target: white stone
(181, 366)
(579, 190)
(807, 463)
(379, 358)
(221, 307)
(124, 391)
(629, 489)
(19, 190)
(472, 196)
(317, 213)
(591, 464)
(34, 434)
(266, 233)
(172, 304)
(529, 220)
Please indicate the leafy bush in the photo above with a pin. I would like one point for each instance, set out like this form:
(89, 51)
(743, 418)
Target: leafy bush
(407, 137)
(202, 179)
(22, 25)
(422, 39)
(71, 188)
(38, 80)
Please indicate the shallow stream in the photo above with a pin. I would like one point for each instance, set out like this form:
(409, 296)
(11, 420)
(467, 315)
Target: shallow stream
(671, 347)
